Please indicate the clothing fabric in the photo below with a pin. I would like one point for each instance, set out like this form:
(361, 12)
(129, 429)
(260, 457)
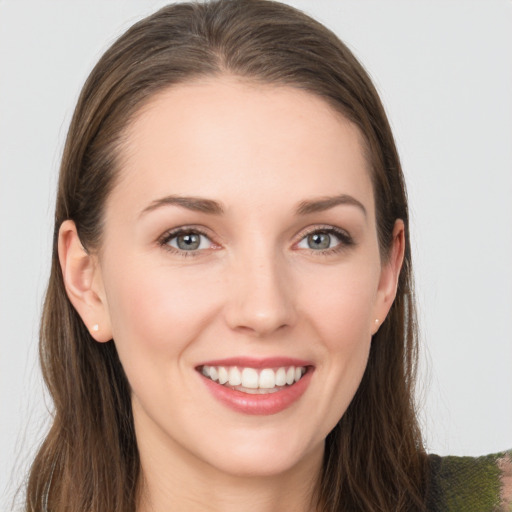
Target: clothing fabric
(470, 484)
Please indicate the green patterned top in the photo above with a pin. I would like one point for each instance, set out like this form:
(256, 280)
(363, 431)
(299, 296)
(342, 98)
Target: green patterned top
(470, 484)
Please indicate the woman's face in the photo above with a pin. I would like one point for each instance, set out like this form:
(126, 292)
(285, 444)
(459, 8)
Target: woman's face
(240, 244)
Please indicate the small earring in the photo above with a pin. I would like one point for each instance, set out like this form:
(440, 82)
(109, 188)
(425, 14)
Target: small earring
(95, 327)
(376, 320)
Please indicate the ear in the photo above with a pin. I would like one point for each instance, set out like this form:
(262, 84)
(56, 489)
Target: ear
(82, 280)
(389, 275)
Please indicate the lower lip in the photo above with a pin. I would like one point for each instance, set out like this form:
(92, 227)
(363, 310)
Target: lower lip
(264, 404)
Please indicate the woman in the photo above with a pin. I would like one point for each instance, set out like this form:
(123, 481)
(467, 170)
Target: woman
(230, 317)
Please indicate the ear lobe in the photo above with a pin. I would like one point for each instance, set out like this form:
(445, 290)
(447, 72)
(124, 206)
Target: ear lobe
(390, 273)
(82, 280)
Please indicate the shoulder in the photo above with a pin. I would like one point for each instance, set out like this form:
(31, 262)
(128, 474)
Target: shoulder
(467, 484)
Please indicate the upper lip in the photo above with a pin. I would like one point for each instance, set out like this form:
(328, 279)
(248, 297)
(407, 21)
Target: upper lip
(255, 362)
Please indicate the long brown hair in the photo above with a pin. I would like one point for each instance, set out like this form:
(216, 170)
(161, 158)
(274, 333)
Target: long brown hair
(374, 459)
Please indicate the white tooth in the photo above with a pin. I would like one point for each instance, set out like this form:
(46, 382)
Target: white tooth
(290, 375)
(249, 378)
(214, 374)
(267, 379)
(281, 377)
(298, 373)
(235, 379)
(206, 371)
(223, 375)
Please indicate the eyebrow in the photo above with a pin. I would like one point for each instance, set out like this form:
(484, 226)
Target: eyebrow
(326, 203)
(197, 204)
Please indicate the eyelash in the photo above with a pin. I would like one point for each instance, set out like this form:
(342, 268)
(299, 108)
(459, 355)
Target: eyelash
(343, 236)
(164, 240)
(345, 239)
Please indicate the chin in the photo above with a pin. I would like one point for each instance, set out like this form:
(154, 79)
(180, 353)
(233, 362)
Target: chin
(264, 456)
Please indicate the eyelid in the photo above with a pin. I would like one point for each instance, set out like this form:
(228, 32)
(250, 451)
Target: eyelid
(343, 235)
(163, 240)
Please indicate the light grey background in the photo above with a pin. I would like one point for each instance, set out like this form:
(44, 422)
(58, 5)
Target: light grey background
(444, 73)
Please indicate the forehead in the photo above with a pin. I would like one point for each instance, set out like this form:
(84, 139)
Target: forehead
(226, 138)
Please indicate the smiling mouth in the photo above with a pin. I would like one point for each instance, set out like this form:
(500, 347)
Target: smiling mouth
(252, 380)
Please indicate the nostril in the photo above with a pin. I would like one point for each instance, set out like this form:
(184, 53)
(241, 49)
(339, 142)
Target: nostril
(259, 329)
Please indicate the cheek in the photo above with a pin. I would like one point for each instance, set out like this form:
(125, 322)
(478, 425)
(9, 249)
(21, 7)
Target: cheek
(342, 315)
(344, 323)
(156, 309)
(342, 307)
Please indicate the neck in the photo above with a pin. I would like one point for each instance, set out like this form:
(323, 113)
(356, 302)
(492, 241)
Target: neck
(174, 479)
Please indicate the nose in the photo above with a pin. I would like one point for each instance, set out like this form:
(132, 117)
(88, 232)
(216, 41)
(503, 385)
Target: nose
(260, 298)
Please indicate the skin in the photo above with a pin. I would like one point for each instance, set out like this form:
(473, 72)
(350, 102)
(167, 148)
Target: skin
(255, 287)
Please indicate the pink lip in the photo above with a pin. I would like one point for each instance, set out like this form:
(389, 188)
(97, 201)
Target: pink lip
(265, 404)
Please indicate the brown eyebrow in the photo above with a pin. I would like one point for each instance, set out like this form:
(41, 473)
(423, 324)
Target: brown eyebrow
(196, 204)
(209, 206)
(325, 203)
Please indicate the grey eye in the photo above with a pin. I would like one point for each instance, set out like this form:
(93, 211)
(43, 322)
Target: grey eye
(319, 241)
(189, 241)
(322, 240)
